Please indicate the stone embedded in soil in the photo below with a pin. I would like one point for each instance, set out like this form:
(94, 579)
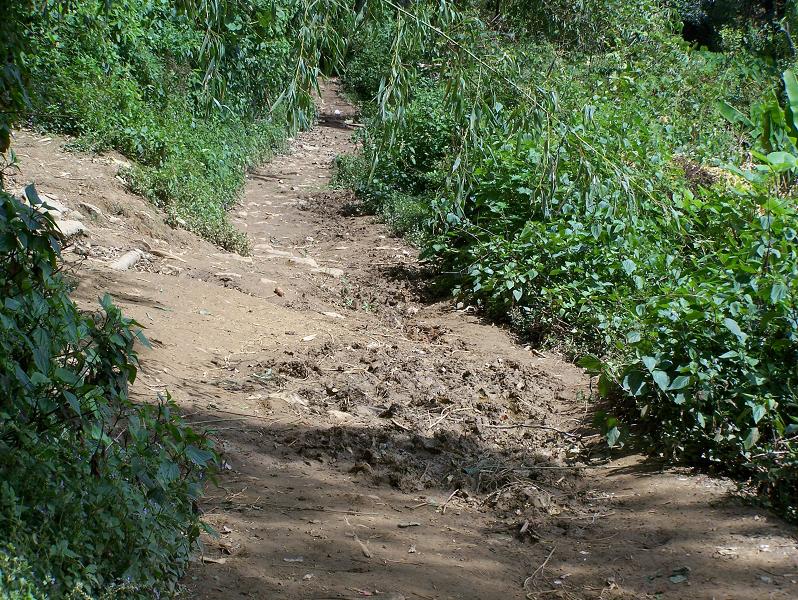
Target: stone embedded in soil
(225, 276)
(93, 211)
(238, 257)
(71, 228)
(330, 272)
(270, 250)
(339, 415)
(53, 206)
(127, 260)
(171, 270)
(304, 260)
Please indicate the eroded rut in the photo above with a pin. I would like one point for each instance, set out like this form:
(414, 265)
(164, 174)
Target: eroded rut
(377, 443)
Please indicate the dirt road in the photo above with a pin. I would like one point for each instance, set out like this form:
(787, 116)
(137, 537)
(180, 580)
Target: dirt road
(378, 442)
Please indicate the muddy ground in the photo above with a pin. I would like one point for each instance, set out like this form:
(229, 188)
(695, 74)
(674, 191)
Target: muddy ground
(378, 442)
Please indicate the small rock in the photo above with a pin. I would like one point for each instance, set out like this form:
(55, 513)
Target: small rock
(121, 163)
(91, 209)
(228, 276)
(71, 228)
(127, 260)
(279, 291)
(339, 415)
(53, 206)
(171, 270)
(271, 250)
(290, 398)
(303, 260)
(329, 271)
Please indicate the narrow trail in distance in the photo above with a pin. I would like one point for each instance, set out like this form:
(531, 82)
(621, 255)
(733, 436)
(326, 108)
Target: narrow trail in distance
(376, 441)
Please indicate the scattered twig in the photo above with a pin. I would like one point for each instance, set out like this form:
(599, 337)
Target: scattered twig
(452, 495)
(531, 578)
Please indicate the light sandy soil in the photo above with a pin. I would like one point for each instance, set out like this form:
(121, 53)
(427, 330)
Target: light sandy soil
(376, 441)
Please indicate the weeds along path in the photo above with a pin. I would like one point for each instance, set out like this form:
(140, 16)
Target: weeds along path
(378, 443)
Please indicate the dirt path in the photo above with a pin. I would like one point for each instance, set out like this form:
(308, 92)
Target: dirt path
(376, 443)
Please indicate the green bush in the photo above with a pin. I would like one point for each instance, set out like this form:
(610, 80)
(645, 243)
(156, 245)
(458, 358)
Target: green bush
(584, 205)
(131, 76)
(96, 492)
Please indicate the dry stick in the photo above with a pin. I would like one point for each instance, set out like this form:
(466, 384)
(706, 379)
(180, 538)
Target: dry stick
(452, 495)
(303, 508)
(531, 578)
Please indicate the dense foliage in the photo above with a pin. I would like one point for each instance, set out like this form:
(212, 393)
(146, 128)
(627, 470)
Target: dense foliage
(96, 492)
(611, 190)
(580, 169)
(190, 104)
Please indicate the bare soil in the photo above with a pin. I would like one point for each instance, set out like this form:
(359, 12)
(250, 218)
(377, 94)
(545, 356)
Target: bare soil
(377, 442)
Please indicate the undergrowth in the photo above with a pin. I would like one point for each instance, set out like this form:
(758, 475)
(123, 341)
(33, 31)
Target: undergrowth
(602, 184)
(131, 76)
(97, 493)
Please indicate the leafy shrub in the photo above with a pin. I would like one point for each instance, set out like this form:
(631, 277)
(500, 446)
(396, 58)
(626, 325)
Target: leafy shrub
(132, 76)
(370, 59)
(96, 492)
(581, 207)
(760, 26)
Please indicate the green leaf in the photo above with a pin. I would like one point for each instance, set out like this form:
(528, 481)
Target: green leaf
(752, 438)
(197, 456)
(757, 412)
(73, 401)
(604, 385)
(733, 116)
(661, 379)
(781, 161)
(679, 383)
(632, 337)
(791, 88)
(778, 292)
(591, 364)
(649, 361)
(734, 327)
(634, 383)
(612, 436)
